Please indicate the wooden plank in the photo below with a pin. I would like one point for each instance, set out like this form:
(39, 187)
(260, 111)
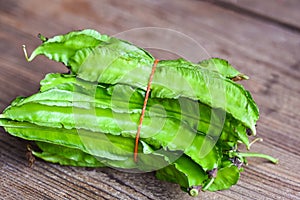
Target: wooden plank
(285, 12)
(268, 53)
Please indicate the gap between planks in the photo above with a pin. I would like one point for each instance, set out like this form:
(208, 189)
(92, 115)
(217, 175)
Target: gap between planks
(250, 13)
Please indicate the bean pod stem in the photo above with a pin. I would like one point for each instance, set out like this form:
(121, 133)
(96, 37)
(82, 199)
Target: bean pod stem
(255, 155)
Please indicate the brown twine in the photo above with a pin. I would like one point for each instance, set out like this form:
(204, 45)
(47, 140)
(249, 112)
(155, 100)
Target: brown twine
(137, 137)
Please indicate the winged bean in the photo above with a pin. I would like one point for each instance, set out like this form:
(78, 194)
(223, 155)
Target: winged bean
(124, 98)
(114, 61)
(195, 116)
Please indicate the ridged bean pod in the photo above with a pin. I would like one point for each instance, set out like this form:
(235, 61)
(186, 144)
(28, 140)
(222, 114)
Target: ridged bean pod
(194, 119)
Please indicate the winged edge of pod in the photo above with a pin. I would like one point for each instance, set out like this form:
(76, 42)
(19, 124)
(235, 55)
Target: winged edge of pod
(102, 66)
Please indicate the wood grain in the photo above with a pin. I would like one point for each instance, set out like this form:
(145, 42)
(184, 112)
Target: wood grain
(262, 49)
(282, 12)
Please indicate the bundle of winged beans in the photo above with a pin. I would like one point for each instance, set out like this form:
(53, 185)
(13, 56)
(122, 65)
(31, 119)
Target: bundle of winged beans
(186, 125)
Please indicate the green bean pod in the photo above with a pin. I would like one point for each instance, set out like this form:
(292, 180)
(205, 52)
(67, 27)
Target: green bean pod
(95, 57)
(171, 134)
(194, 119)
(66, 90)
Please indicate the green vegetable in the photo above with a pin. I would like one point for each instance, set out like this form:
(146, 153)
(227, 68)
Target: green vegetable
(195, 117)
(95, 57)
(66, 156)
(56, 92)
(224, 68)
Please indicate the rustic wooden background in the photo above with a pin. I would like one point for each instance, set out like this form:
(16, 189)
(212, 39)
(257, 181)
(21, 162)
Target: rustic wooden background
(260, 38)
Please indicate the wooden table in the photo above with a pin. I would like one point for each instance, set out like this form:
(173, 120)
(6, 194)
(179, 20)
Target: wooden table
(260, 38)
